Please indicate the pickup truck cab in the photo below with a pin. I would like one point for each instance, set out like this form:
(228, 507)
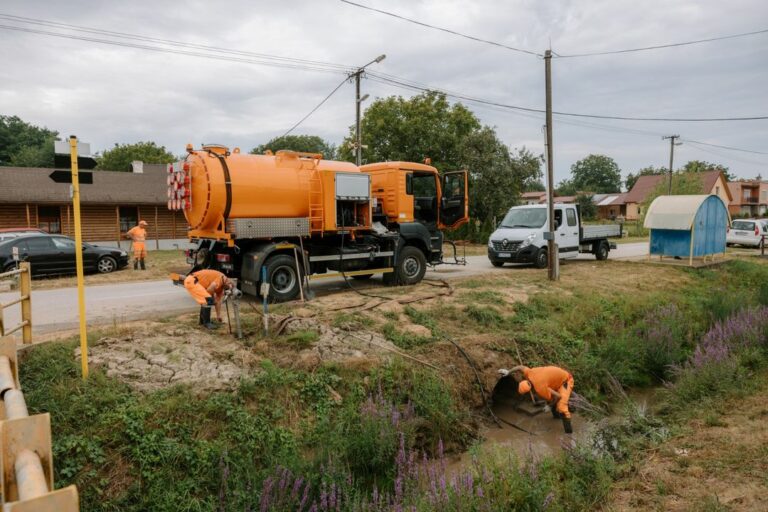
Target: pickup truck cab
(520, 236)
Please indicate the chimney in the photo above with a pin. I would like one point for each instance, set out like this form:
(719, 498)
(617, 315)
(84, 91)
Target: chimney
(137, 167)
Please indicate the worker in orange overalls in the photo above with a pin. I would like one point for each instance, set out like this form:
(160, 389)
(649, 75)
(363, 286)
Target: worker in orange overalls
(550, 383)
(139, 236)
(207, 287)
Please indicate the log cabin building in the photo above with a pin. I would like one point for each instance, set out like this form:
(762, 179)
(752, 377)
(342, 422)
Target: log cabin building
(113, 204)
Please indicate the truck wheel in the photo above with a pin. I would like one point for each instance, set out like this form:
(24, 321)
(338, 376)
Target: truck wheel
(283, 278)
(410, 269)
(542, 259)
(602, 251)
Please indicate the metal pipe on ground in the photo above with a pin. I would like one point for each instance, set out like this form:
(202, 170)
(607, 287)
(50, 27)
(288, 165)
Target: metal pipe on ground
(30, 478)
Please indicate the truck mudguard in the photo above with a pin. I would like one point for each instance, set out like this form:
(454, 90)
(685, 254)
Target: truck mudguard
(417, 234)
(253, 260)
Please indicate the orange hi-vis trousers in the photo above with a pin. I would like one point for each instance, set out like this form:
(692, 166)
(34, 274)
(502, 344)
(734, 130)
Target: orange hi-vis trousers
(565, 394)
(196, 290)
(139, 250)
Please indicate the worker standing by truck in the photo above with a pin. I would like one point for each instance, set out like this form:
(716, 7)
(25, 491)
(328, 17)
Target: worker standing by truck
(138, 234)
(207, 287)
(551, 383)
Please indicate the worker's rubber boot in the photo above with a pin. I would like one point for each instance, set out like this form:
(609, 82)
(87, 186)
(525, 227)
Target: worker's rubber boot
(556, 414)
(135, 264)
(202, 315)
(206, 312)
(143, 266)
(567, 425)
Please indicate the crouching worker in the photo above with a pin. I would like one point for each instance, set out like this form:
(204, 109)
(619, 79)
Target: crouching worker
(550, 383)
(207, 287)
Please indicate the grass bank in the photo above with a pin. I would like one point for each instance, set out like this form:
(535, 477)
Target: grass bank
(374, 436)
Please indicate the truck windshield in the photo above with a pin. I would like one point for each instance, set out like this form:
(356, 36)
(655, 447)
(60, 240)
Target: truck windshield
(525, 218)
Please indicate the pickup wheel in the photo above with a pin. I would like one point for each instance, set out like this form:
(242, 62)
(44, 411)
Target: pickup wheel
(601, 253)
(282, 277)
(542, 258)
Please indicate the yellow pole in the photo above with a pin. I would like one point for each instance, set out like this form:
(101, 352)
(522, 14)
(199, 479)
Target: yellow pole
(25, 281)
(79, 257)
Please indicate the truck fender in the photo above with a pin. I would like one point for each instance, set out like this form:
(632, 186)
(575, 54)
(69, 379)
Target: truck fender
(416, 234)
(253, 260)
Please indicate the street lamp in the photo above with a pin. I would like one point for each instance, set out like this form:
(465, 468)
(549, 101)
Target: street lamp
(358, 100)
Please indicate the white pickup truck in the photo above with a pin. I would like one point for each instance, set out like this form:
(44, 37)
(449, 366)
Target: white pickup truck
(520, 236)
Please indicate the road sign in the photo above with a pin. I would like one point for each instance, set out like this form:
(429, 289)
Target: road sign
(62, 155)
(66, 177)
(15, 252)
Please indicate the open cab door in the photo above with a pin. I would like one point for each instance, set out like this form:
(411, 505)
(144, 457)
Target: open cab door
(454, 200)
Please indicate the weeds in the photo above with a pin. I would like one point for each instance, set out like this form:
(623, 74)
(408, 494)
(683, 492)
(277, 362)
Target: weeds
(302, 339)
(485, 316)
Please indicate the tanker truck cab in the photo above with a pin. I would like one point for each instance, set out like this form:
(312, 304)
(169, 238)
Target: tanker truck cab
(288, 218)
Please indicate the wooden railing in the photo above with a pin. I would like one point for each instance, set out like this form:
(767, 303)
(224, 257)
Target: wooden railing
(24, 299)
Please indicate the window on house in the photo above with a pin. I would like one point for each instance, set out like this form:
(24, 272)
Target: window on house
(717, 190)
(129, 217)
(49, 218)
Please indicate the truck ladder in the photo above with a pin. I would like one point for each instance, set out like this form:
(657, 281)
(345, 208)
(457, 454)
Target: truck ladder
(315, 203)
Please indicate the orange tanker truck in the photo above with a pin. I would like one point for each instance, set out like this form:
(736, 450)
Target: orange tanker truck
(289, 215)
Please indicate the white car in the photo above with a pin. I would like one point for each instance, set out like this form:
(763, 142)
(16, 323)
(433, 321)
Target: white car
(747, 232)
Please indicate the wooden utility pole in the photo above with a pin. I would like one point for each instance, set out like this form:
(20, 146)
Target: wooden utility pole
(552, 256)
(358, 100)
(671, 157)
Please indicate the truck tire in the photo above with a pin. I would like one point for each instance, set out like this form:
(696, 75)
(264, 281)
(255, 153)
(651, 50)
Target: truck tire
(601, 253)
(542, 258)
(410, 269)
(282, 277)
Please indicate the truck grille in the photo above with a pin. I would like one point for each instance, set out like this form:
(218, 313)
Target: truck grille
(505, 245)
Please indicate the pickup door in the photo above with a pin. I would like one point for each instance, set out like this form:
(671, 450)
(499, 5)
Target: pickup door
(567, 231)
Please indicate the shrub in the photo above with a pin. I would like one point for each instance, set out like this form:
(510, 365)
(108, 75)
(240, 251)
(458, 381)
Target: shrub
(663, 337)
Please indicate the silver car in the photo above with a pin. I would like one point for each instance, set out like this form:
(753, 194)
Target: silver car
(747, 232)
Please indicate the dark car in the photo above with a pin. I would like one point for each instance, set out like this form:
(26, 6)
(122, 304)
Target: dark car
(55, 255)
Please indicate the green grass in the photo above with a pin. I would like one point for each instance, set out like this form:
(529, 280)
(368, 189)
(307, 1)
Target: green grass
(302, 339)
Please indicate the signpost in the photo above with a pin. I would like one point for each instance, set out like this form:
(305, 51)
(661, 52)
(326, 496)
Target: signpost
(60, 177)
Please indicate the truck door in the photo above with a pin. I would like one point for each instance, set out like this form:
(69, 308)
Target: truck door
(454, 203)
(567, 232)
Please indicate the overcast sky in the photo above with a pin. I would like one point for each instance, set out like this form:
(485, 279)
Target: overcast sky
(107, 94)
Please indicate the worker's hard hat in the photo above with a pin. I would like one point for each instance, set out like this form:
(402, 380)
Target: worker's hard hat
(524, 387)
(143, 223)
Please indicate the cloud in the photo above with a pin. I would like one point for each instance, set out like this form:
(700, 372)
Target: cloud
(107, 94)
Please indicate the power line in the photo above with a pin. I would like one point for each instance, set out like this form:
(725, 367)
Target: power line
(722, 155)
(660, 46)
(725, 147)
(125, 35)
(441, 29)
(317, 107)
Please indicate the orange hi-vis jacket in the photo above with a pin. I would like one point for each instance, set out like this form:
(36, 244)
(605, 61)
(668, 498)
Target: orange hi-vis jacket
(546, 378)
(139, 237)
(198, 282)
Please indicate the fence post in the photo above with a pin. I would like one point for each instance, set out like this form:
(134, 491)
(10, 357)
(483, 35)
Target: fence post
(25, 286)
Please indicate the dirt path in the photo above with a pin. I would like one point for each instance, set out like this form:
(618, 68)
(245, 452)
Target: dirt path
(719, 463)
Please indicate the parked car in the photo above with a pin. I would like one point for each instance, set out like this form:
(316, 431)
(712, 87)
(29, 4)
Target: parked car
(747, 232)
(55, 255)
(8, 233)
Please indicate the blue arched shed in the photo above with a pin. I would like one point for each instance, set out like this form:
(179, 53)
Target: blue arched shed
(687, 226)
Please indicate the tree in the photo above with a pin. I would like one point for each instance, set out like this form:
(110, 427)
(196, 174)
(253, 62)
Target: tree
(596, 173)
(702, 166)
(119, 158)
(566, 188)
(25, 145)
(302, 143)
(682, 184)
(428, 126)
(587, 206)
(645, 171)
(534, 186)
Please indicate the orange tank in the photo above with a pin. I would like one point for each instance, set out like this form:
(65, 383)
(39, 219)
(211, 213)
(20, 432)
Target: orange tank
(260, 186)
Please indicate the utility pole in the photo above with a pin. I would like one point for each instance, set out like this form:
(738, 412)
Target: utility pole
(552, 251)
(672, 145)
(358, 100)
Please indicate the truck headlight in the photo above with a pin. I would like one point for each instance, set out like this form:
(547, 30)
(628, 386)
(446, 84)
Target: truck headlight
(528, 240)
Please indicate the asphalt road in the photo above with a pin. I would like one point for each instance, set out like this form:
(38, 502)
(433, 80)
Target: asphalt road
(56, 310)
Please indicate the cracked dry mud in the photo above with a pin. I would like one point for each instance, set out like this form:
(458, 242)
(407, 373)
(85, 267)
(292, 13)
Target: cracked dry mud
(158, 356)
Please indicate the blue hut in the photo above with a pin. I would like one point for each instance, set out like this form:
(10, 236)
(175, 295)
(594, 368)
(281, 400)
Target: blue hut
(687, 226)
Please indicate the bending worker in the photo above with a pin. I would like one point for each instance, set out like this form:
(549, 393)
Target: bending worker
(550, 383)
(139, 236)
(207, 287)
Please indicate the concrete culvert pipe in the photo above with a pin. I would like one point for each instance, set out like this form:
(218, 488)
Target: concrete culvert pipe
(505, 398)
(15, 405)
(30, 478)
(6, 375)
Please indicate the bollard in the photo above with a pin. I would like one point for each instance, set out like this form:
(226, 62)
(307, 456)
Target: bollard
(7, 381)
(15, 405)
(30, 478)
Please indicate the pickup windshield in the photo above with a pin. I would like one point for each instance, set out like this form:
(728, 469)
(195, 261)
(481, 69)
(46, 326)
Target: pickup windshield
(531, 218)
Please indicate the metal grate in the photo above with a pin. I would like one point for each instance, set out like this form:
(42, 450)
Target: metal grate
(505, 245)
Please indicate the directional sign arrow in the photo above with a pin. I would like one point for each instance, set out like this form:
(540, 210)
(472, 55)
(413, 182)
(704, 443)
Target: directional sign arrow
(85, 178)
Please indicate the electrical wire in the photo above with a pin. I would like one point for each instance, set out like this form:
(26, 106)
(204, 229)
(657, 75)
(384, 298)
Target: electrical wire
(441, 29)
(316, 107)
(725, 147)
(660, 46)
(722, 155)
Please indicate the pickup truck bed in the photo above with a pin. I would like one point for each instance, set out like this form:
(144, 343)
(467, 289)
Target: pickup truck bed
(599, 231)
